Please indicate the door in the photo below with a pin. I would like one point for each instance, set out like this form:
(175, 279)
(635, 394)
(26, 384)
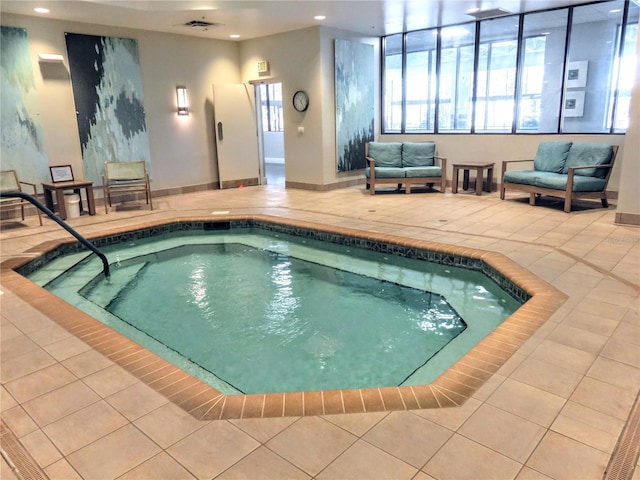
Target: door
(236, 135)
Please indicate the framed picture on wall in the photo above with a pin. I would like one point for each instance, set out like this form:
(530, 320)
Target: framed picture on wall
(61, 173)
(574, 104)
(577, 74)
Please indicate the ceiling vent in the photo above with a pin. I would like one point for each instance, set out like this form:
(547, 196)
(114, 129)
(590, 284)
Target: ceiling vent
(202, 25)
(490, 13)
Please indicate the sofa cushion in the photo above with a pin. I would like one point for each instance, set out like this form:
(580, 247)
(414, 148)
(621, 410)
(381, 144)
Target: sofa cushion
(558, 181)
(386, 154)
(551, 156)
(385, 172)
(417, 172)
(582, 154)
(418, 154)
(526, 177)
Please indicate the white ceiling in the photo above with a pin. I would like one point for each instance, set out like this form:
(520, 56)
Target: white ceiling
(253, 19)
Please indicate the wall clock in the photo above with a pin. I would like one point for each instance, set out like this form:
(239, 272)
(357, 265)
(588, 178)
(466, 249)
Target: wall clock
(300, 100)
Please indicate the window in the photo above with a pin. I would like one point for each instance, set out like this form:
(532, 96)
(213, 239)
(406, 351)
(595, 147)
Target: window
(590, 68)
(456, 78)
(626, 71)
(421, 81)
(517, 74)
(393, 90)
(543, 44)
(496, 86)
(271, 97)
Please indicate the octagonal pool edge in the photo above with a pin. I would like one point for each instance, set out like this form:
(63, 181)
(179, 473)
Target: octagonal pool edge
(452, 388)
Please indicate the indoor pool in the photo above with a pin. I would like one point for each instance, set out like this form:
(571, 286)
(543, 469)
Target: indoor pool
(255, 310)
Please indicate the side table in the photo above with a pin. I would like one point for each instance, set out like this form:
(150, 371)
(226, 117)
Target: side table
(58, 188)
(479, 168)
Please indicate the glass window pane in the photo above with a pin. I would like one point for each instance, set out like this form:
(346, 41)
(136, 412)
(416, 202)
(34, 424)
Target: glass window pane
(626, 72)
(496, 87)
(456, 78)
(392, 84)
(421, 81)
(543, 48)
(590, 68)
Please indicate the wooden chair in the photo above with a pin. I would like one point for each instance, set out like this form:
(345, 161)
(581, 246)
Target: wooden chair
(9, 183)
(125, 178)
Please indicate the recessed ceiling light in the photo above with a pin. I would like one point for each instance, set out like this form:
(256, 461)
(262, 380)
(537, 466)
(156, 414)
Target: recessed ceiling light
(41, 10)
(234, 35)
(319, 17)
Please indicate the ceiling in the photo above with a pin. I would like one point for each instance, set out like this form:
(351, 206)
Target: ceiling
(254, 19)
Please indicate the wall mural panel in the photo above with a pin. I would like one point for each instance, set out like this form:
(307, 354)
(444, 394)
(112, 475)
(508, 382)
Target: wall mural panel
(22, 147)
(354, 102)
(107, 90)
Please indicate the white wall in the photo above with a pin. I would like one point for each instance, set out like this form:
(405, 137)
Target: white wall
(182, 148)
(304, 60)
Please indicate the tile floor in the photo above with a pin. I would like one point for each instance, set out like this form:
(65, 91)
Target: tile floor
(554, 410)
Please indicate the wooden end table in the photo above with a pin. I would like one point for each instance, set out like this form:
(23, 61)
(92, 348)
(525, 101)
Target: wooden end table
(479, 168)
(58, 188)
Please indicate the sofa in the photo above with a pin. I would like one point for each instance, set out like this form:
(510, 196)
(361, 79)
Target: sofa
(404, 163)
(563, 169)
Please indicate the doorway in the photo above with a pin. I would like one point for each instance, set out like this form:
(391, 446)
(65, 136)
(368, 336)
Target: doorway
(269, 100)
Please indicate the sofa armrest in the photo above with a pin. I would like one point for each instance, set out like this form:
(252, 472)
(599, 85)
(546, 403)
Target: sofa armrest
(507, 162)
(33, 185)
(608, 165)
(371, 162)
(443, 163)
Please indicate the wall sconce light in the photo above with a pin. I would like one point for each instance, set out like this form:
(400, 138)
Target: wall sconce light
(183, 104)
(50, 58)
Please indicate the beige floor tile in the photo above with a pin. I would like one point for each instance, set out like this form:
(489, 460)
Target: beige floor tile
(528, 402)
(61, 470)
(168, 424)
(363, 461)
(592, 323)
(43, 451)
(604, 397)
(616, 373)
(160, 467)
(19, 421)
(472, 462)
(529, 474)
(564, 356)
(588, 426)
(562, 458)
(263, 429)
(137, 400)
(408, 437)
(66, 348)
(17, 346)
(311, 443)
(578, 338)
(547, 377)
(622, 351)
(113, 455)
(87, 363)
(6, 400)
(40, 382)
(504, 432)
(89, 424)
(212, 449)
(25, 364)
(263, 464)
(356, 423)
(453, 417)
(52, 406)
(110, 380)
(50, 335)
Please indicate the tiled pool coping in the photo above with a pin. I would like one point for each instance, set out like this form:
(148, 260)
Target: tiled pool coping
(203, 402)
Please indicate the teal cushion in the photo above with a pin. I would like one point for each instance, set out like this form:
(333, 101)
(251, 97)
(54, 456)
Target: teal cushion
(385, 172)
(418, 154)
(417, 172)
(558, 181)
(551, 156)
(386, 154)
(526, 177)
(582, 154)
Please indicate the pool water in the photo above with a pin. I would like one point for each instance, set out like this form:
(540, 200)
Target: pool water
(258, 312)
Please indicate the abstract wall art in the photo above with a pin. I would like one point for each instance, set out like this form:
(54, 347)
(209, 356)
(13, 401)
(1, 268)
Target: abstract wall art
(21, 145)
(354, 70)
(107, 90)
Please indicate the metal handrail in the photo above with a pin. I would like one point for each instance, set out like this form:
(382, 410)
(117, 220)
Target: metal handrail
(36, 203)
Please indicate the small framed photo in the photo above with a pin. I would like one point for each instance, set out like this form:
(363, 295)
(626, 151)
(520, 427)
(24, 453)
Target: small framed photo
(577, 74)
(61, 173)
(574, 104)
